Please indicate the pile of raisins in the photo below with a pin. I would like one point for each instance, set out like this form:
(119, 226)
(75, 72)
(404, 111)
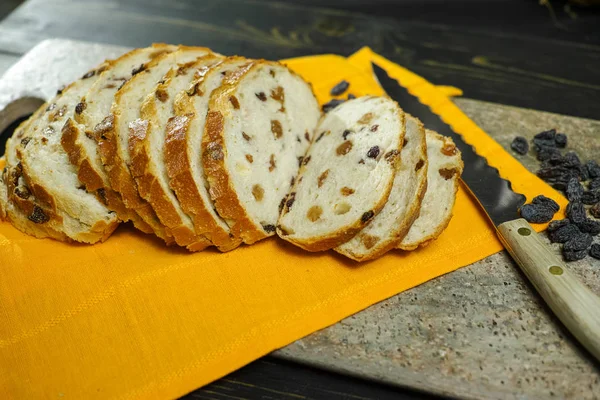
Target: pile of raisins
(579, 181)
(338, 90)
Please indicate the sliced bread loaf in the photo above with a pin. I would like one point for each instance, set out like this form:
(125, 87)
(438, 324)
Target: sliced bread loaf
(49, 174)
(80, 137)
(183, 160)
(347, 174)
(443, 178)
(126, 122)
(391, 225)
(259, 122)
(147, 151)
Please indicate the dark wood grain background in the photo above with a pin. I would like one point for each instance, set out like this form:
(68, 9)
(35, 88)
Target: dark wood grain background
(535, 54)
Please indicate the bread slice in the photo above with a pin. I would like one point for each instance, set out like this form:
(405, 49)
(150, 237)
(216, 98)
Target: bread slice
(259, 121)
(147, 151)
(391, 225)
(126, 122)
(49, 174)
(183, 160)
(80, 136)
(347, 174)
(27, 213)
(445, 167)
(9, 212)
(22, 214)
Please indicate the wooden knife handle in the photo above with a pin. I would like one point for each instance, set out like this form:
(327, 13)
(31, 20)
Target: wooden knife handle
(571, 300)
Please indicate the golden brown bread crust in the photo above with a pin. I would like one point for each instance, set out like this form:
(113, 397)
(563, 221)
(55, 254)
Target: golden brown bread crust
(213, 159)
(428, 239)
(150, 190)
(181, 180)
(122, 182)
(93, 182)
(343, 235)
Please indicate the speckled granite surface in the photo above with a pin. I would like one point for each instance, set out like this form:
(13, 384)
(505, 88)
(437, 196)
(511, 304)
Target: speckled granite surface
(481, 331)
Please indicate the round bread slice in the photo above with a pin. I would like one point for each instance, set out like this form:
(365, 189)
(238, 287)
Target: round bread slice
(125, 122)
(183, 160)
(347, 174)
(80, 137)
(147, 151)
(391, 225)
(443, 176)
(49, 174)
(259, 122)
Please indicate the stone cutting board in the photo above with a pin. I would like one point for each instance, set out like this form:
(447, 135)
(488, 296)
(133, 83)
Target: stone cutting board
(479, 332)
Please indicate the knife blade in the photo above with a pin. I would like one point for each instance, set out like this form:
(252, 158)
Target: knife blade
(574, 303)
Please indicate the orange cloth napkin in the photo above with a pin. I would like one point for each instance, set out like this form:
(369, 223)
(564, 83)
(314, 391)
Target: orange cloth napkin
(132, 319)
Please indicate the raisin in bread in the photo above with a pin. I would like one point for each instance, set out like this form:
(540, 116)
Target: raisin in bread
(347, 174)
(80, 136)
(49, 174)
(445, 167)
(259, 122)
(183, 160)
(391, 225)
(147, 151)
(114, 143)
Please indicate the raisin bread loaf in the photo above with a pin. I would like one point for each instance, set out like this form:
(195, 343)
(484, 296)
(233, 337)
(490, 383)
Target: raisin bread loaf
(80, 137)
(126, 122)
(445, 167)
(49, 174)
(259, 122)
(391, 225)
(147, 150)
(347, 174)
(183, 160)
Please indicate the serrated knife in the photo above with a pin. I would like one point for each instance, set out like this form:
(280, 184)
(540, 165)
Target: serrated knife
(573, 302)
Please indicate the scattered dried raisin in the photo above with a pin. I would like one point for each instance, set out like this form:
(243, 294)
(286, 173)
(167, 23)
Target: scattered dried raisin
(590, 226)
(536, 213)
(591, 197)
(578, 242)
(576, 212)
(564, 233)
(574, 255)
(331, 105)
(593, 169)
(595, 251)
(546, 135)
(520, 145)
(546, 201)
(574, 190)
(594, 184)
(561, 140)
(340, 88)
(556, 225)
(595, 210)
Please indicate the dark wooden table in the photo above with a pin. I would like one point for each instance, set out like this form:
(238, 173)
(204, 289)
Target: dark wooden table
(545, 57)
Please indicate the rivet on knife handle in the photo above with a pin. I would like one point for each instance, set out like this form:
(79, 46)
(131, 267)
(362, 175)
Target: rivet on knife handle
(572, 301)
